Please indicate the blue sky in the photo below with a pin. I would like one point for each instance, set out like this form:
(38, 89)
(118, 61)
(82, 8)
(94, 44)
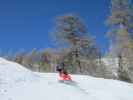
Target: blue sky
(25, 24)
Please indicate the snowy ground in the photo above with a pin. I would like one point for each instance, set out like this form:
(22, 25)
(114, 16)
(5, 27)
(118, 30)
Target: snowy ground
(18, 83)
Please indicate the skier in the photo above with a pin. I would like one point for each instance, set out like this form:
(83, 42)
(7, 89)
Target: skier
(63, 74)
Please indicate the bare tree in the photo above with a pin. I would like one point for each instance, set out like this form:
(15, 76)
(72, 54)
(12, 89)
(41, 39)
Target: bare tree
(72, 33)
(120, 22)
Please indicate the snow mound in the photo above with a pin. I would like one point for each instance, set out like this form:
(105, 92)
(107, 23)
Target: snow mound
(12, 73)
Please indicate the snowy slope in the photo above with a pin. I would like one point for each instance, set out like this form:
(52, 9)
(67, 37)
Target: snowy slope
(22, 84)
(12, 73)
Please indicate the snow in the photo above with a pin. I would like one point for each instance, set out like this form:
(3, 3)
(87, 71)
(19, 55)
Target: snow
(18, 83)
(112, 64)
(12, 73)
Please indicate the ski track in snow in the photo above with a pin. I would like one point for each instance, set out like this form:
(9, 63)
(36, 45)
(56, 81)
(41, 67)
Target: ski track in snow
(18, 83)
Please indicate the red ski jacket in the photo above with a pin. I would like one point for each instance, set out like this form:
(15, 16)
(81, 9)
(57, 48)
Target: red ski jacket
(65, 77)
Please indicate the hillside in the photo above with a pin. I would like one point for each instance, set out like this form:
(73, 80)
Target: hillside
(18, 83)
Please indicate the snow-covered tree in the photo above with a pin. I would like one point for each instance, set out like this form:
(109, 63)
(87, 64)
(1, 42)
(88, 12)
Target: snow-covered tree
(120, 34)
